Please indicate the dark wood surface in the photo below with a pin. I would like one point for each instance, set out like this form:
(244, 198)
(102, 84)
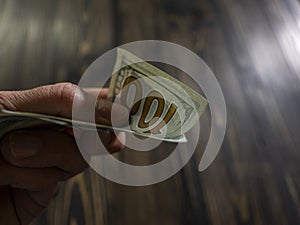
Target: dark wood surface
(252, 46)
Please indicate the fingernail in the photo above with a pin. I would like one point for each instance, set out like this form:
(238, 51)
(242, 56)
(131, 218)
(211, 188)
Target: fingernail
(23, 145)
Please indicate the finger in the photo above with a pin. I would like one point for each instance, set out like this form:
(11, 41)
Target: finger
(43, 148)
(103, 113)
(113, 142)
(121, 116)
(30, 178)
(96, 92)
(117, 142)
(58, 99)
(90, 144)
(104, 107)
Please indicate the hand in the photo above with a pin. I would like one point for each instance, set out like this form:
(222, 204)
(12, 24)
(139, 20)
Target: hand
(34, 161)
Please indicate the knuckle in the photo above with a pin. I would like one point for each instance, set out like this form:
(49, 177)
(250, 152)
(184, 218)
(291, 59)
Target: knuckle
(8, 100)
(64, 91)
(2, 100)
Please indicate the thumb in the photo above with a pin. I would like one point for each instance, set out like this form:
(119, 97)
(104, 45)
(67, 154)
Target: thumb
(54, 99)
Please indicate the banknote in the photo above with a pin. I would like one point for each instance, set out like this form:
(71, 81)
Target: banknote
(12, 120)
(160, 106)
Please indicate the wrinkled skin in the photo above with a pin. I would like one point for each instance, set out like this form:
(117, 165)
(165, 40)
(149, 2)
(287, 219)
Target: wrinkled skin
(34, 161)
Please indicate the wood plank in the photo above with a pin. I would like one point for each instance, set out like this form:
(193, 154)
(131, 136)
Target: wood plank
(251, 46)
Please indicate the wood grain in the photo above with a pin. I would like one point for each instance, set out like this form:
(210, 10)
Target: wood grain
(253, 49)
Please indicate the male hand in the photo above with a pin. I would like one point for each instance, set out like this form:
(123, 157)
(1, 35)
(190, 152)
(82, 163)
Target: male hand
(33, 161)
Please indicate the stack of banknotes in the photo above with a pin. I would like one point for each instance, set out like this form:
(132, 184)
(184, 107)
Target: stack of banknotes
(160, 106)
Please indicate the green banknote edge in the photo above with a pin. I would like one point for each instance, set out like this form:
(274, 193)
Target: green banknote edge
(28, 119)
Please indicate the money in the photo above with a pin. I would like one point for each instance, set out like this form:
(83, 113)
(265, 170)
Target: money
(160, 106)
(11, 120)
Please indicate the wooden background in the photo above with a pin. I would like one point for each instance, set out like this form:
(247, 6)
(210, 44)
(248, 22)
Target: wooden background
(252, 46)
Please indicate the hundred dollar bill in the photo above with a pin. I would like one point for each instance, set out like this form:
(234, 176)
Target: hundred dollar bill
(160, 104)
(166, 110)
